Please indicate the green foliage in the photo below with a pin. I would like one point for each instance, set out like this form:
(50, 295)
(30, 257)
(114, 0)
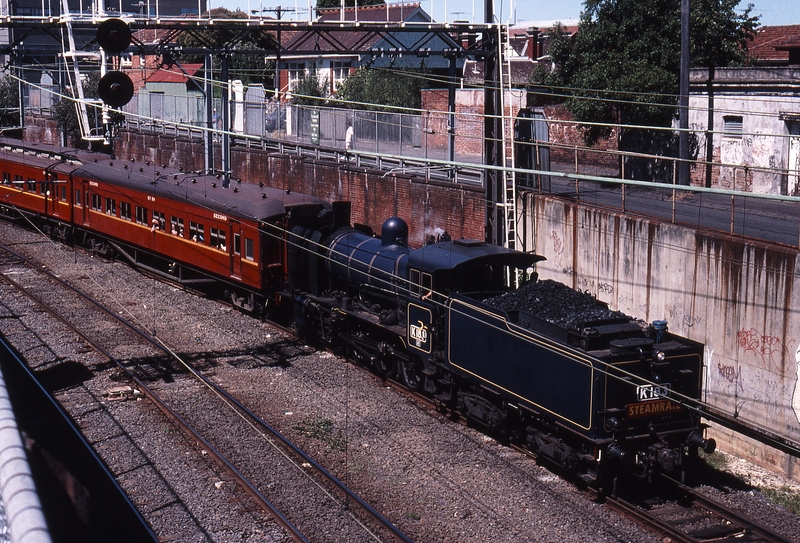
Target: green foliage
(243, 62)
(382, 90)
(67, 116)
(785, 497)
(9, 102)
(624, 64)
(323, 430)
(328, 4)
(310, 90)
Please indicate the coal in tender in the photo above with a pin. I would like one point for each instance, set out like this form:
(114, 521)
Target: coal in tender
(556, 303)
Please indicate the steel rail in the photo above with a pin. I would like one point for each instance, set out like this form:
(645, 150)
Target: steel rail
(188, 430)
(396, 533)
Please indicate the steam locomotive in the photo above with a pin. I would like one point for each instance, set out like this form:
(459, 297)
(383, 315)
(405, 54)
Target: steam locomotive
(595, 391)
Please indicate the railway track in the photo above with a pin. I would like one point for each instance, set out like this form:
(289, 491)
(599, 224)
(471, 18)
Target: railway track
(328, 507)
(695, 518)
(692, 518)
(268, 368)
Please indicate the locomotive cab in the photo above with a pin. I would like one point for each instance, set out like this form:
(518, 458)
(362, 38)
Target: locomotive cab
(469, 267)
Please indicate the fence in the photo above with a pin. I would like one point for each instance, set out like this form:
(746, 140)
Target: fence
(407, 143)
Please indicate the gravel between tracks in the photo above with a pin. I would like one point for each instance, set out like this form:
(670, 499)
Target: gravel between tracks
(436, 480)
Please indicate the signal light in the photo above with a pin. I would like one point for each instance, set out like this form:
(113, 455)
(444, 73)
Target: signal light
(115, 89)
(114, 36)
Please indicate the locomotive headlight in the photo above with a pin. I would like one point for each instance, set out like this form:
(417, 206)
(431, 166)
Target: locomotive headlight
(659, 356)
(612, 423)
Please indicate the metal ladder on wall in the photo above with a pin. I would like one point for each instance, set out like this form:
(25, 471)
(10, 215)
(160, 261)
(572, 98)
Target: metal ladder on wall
(509, 205)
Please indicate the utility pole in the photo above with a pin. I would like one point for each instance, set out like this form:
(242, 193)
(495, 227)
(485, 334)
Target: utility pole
(492, 131)
(683, 119)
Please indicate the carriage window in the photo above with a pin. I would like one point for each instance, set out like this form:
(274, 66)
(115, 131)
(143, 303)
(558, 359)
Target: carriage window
(196, 232)
(141, 215)
(427, 283)
(237, 244)
(31, 185)
(421, 283)
(248, 248)
(18, 184)
(63, 192)
(96, 205)
(78, 197)
(176, 226)
(125, 210)
(159, 221)
(413, 278)
(217, 239)
(6, 178)
(111, 206)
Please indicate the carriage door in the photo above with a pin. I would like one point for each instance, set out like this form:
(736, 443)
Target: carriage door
(84, 201)
(236, 254)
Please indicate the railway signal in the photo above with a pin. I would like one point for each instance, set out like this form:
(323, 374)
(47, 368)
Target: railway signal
(115, 87)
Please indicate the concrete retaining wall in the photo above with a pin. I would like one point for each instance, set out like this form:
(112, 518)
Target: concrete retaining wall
(737, 297)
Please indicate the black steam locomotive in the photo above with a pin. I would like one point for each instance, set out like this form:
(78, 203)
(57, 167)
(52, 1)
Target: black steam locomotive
(592, 390)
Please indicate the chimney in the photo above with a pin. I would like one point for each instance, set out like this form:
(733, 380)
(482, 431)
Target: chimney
(532, 46)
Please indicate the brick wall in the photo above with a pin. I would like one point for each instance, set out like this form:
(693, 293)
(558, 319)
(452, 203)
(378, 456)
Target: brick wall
(429, 207)
(566, 137)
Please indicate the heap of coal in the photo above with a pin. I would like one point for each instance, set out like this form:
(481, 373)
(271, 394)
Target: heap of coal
(556, 303)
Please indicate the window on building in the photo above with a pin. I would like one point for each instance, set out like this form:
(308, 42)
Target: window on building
(125, 210)
(111, 206)
(296, 71)
(733, 127)
(197, 232)
(339, 72)
(216, 238)
(141, 215)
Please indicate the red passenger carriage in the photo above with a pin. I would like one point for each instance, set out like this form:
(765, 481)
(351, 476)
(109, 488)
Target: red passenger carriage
(169, 221)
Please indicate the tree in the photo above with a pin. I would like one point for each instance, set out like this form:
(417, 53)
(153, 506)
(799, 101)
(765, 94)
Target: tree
(624, 64)
(9, 103)
(328, 4)
(310, 89)
(243, 64)
(382, 90)
(67, 116)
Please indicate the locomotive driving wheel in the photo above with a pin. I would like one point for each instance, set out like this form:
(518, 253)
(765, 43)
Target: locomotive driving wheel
(411, 371)
(384, 363)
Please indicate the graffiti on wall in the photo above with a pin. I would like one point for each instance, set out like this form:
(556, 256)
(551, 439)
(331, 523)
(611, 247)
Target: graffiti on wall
(558, 248)
(732, 374)
(770, 350)
(796, 395)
